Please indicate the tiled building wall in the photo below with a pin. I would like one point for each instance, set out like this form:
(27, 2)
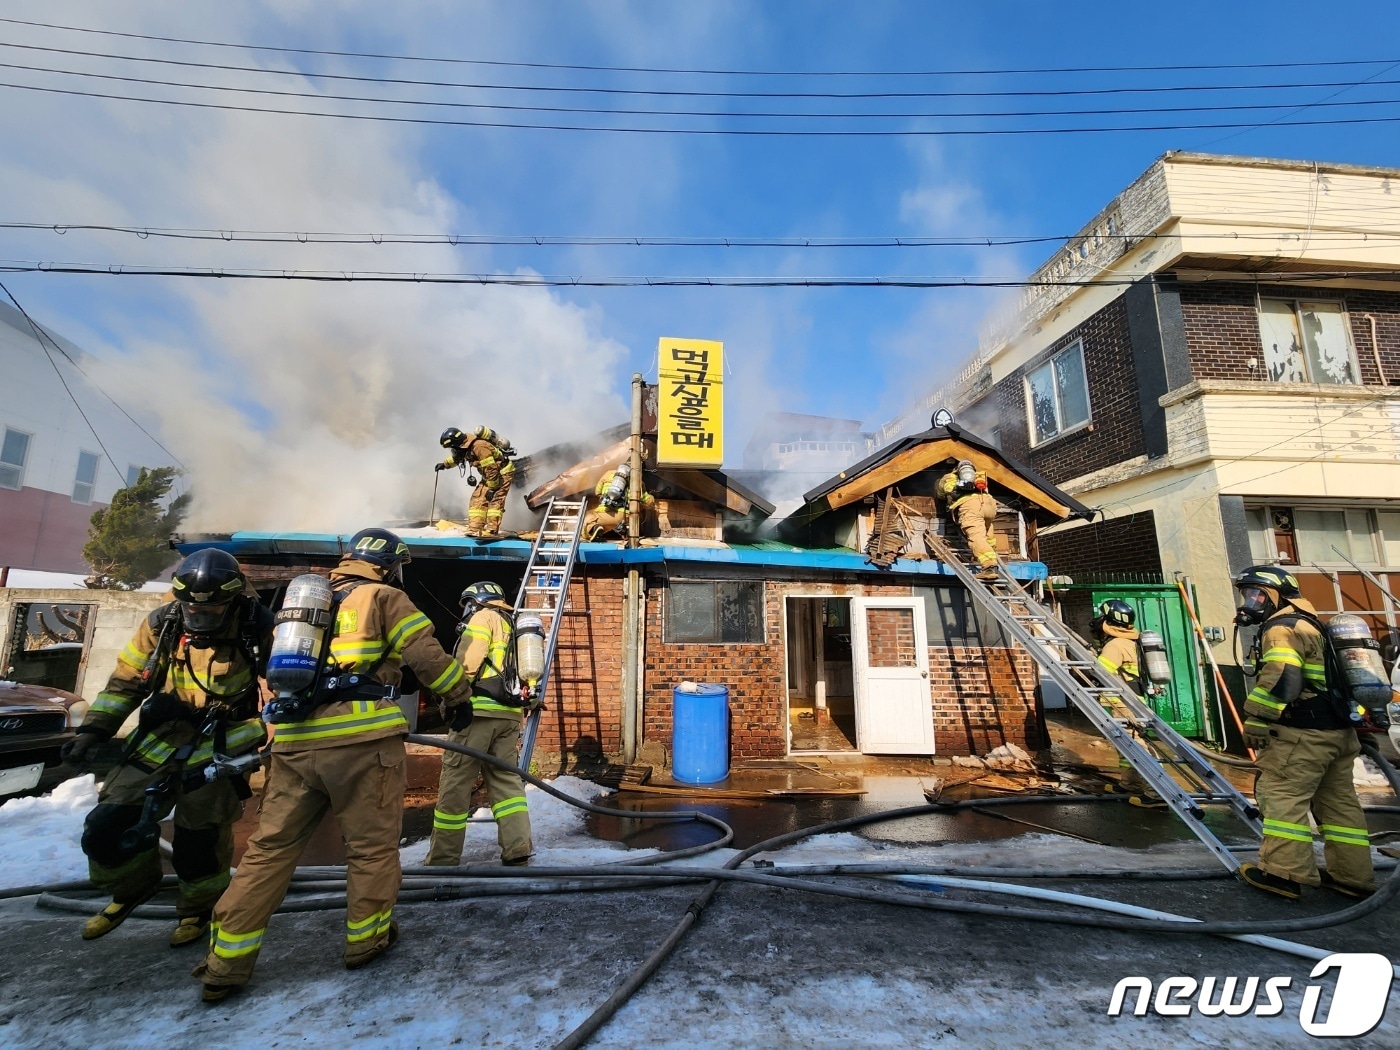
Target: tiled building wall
(1222, 328)
(1116, 433)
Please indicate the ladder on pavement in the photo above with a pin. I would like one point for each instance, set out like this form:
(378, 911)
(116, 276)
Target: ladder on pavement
(545, 590)
(1150, 745)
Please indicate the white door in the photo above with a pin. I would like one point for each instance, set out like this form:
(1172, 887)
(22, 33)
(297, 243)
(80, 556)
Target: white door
(889, 642)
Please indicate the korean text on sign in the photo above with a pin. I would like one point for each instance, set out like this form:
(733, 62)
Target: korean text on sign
(690, 410)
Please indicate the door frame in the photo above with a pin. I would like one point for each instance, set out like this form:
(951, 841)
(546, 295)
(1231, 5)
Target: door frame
(787, 682)
(860, 666)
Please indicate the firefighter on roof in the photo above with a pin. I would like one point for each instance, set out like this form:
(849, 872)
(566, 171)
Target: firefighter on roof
(193, 663)
(343, 753)
(491, 454)
(493, 726)
(1298, 720)
(975, 510)
(610, 513)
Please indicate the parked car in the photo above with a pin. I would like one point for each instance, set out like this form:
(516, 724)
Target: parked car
(35, 722)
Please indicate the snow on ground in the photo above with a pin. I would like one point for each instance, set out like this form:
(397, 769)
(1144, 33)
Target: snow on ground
(40, 836)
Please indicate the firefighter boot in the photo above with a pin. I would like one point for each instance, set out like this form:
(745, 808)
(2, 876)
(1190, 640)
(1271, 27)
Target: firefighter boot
(364, 959)
(1260, 879)
(112, 916)
(192, 928)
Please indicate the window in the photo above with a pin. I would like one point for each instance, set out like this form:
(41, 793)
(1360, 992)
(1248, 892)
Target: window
(1306, 342)
(133, 474)
(1307, 535)
(715, 611)
(13, 452)
(86, 477)
(1058, 395)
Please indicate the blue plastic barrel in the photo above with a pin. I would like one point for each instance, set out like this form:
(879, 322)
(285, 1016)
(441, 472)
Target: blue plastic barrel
(700, 733)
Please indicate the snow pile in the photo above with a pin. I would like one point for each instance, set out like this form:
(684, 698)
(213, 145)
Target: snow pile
(556, 829)
(40, 835)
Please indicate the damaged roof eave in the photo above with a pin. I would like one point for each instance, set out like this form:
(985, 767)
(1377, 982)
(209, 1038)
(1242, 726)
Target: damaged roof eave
(243, 544)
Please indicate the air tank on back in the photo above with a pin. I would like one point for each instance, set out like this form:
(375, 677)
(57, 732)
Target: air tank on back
(529, 649)
(1361, 660)
(297, 639)
(1154, 656)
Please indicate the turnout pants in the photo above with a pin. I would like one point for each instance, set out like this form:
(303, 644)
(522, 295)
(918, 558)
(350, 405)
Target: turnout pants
(975, 515)
(486, 509)
(499, 737)
(1306, 770)
(203, 839)
(363, 785)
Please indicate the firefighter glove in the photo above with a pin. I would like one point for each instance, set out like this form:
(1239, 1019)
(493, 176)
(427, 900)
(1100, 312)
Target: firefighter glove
(439, 466)
(1256, 734)
(75, 751)
(461, 715)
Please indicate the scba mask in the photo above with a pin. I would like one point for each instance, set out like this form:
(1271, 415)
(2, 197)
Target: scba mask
(1257, 604)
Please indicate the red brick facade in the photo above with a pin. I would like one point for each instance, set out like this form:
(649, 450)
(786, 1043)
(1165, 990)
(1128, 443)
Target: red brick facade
(983, 698)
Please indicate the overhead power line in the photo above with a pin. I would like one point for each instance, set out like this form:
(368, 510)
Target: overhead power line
(1363, 238)
(722, 113)
(576, 89)
(519, 280)
(739, 132)
(704, 72)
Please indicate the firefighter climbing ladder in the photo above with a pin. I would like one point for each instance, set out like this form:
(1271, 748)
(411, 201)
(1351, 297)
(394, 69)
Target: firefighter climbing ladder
(544, 592)
(1148, 743)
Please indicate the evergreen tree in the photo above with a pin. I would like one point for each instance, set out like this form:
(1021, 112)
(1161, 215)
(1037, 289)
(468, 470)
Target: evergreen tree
(129, 541)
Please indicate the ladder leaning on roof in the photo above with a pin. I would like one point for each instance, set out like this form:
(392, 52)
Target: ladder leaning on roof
(544, 592)
(1148, 743)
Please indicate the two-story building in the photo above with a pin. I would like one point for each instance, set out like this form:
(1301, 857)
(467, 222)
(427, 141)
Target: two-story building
(1213, 361)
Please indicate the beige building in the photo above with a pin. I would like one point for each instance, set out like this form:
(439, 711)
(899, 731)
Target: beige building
(1209, 360)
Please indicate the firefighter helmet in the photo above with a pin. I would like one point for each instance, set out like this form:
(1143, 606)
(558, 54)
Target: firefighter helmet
(206, 585)
(482, 593)
(1117, 612)
(452, 438)
(382, 548)
(1262, 588)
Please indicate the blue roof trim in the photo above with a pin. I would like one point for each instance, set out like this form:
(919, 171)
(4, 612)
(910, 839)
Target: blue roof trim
(241, 543)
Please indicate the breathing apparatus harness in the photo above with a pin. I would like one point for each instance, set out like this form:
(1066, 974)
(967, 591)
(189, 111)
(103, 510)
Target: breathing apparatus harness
(327, 687)
(507, 686)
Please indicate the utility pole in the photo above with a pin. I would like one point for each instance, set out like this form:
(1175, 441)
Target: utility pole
(631, 619)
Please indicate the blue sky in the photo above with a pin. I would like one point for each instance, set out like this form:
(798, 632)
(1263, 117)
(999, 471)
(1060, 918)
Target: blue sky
(548, 363)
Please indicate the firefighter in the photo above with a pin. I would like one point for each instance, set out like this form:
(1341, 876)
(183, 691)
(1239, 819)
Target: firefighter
(347, 758)
(489, 453)
(1298, 720)
(975, 510)
(493, 726)
(193, 665)
(1118, 654)
(610, 513)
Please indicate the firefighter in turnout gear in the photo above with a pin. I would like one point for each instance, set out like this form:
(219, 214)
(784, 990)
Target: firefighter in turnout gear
(493, 726)
(610, 513)
(1118, 654)
(975, 510)
(192, 669)
(491, 454)
(1298, 719)
(346, 757)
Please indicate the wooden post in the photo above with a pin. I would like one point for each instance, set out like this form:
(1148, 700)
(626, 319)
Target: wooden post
(631, 619)
(819, 641)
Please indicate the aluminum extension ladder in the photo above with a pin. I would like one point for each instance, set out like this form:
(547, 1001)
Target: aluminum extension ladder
(544, 592)
(1148, 743)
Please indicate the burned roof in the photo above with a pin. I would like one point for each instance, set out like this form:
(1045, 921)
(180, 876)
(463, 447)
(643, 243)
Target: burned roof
(904, 458)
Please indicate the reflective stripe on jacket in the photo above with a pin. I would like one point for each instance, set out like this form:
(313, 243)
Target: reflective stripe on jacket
(482, 652)
(1292, 667)
(375, 625)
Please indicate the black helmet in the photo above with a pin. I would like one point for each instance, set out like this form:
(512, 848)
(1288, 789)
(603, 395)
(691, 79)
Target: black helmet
(380, 547)
(452, 438)
(1116, 612)
(206, 585)
(1262, 588)
(482, 593)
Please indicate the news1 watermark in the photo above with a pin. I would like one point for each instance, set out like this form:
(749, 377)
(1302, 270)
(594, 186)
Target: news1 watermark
(1359, 996)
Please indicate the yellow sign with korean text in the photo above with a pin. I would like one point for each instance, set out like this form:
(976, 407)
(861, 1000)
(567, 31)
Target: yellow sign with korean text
(690, 403)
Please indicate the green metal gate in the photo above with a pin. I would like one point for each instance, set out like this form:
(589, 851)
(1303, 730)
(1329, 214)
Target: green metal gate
(1160, 608)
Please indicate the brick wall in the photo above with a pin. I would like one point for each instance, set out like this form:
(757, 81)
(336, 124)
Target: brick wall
(584, 715)
(890, 638)
(1117, 433)
(1126, 544)
(983, 698)
(1222, 328)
